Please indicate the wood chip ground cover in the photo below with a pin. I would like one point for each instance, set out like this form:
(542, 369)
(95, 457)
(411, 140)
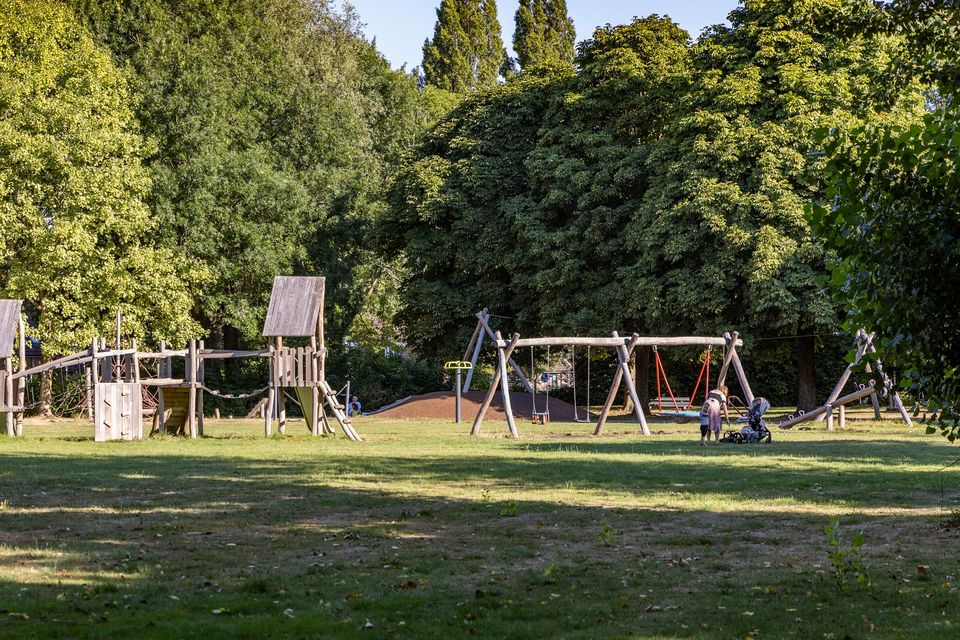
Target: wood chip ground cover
(422, 531)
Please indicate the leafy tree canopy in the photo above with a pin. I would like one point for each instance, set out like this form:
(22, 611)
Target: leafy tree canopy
(275, 126)
(544, 34)
(660, 189)
(894, 216)
(76, 238)
(466, 52)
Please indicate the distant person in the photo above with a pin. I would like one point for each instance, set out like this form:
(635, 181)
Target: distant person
(710, 416)
(354, 407)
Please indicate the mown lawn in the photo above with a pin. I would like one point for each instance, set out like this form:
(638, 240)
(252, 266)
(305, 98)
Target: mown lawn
(422, 531)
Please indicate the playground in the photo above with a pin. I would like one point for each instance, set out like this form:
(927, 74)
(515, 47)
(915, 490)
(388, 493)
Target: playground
(423, 531)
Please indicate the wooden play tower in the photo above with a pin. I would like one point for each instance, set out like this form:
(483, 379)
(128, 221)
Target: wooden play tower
(296, 311)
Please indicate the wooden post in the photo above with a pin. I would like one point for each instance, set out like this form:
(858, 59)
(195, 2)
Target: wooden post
(192, 389)
(742, 378)
(829, 414)
(106, 364)
(271, 393)
(200, 381)
(22, 382)
(8, 395)
(314, 389)
(162, 372)
(505, 389)
(863, 342)
(88, 402)
(623, 354)
(731, 339)
(491, 392)
(476, 342)
(875, 399)
(281, 387)
(516, 367)
(843, 416)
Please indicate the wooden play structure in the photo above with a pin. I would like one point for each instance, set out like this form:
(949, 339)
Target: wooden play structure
(864, 345)
(623, 347)
(116, 387)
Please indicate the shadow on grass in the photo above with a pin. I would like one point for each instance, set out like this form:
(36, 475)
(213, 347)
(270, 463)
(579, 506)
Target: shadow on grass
(126, 543)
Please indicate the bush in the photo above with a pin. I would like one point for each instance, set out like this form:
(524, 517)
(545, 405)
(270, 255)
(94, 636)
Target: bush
(378, 379)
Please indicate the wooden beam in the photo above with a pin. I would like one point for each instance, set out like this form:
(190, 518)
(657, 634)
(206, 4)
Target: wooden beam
(642, 341)
(742, 378)
(821, 411)
(615, 384)
(505, 388)
(192, 390)
(863, 341)
(477, 344)
(502, 344)
(21, 384)
(624, 353)
(225, 354)
(497, 379)
(730, 342)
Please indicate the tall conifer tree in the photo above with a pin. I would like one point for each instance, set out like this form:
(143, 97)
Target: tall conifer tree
(466, 52)
(544, 33)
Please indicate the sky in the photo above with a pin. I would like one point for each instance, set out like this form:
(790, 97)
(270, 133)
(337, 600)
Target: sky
(401, 26)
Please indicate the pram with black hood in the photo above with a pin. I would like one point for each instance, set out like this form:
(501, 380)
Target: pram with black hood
(755, 431)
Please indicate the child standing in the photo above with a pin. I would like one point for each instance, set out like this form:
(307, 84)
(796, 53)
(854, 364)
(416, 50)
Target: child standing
(710, 415)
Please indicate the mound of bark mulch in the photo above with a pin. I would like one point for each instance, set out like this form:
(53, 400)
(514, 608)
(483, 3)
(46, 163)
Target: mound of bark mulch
(441, 405)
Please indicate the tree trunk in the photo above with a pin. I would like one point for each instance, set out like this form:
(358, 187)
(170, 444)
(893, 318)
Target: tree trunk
(806, 372)
(642, 378)
(46, 392)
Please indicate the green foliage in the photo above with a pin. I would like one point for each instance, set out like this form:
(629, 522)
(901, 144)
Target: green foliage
(893, 217)
(466, 52)
(544, 34)
(509, 510)
(846, 560)
(275, 127)
(77, 240)
(608, 534)
(377, 379)
(661, 188)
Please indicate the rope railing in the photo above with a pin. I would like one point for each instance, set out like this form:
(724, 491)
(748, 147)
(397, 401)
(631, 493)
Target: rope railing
(234, 396)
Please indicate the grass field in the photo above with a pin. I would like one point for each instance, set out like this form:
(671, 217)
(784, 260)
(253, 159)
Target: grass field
(422, 531)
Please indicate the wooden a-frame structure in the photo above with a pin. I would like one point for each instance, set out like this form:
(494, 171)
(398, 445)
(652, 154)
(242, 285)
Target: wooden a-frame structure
(623, 348)
(863, 342)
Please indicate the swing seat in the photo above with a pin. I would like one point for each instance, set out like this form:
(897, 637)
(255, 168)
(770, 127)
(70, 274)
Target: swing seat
(540, 417)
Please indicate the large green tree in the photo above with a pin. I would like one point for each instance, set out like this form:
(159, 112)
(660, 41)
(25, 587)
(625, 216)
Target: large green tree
(76, 239)
(276, 125)
(544, 33)
(466, 52)
(894, 215)
(661, 189)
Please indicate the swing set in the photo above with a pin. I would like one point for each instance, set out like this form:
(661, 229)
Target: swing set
(550, 379)
(683, 406)
(622, 346)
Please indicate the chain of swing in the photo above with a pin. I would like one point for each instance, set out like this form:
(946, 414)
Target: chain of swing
(548, 378)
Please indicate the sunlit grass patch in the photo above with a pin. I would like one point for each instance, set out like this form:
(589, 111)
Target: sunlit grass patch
(558, 534)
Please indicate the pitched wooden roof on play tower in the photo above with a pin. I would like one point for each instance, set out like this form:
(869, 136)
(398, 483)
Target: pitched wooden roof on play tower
(9, 318)
(295, 306)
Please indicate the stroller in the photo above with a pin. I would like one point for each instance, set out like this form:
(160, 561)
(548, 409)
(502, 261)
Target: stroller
(755, 432)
